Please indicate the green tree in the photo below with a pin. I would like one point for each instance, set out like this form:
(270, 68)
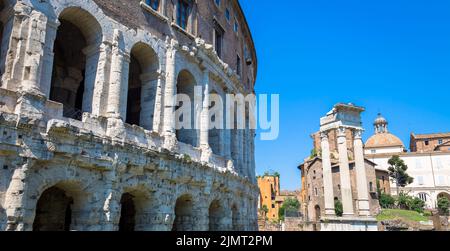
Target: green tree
(289, 205)
(443, 205)
(387, 201)
(338, 208)
(398, 172)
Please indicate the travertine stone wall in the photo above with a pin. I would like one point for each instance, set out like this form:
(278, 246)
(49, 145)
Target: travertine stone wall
(88, 159)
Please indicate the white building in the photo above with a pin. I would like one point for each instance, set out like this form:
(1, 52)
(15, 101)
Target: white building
(430, 170)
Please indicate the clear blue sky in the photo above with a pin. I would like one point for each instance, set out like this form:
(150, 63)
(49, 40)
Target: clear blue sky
(390, 56)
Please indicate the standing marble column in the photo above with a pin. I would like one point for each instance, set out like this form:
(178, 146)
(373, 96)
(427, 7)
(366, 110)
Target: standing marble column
(361, 178)
(344, 170)
(327, 175)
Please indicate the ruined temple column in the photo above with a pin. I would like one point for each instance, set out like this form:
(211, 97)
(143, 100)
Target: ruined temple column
(327, 175)
(344, 170)
(361, 178)
(118, 88)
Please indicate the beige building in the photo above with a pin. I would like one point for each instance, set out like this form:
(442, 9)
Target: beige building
(89, 136)
(428, 162)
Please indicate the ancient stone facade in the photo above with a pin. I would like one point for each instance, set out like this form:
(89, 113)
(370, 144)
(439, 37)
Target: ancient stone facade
(88, 132)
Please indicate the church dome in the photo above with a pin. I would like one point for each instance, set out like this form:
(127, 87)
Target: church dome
(383, 140)
(382, 137)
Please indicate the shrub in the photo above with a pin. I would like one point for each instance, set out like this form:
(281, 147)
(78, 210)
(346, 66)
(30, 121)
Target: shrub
(443, 205)
(387, 201)
(416, 204)
(338, 208)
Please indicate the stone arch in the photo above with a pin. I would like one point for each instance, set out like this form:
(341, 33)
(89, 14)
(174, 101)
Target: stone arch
(75, 61)
(136, 205)
(142, 85)
(187, 130)
(215, 134)
(184, 214)
(60, 208)
(217, 215)
(235, 218)
(317, 213)
(443, 195)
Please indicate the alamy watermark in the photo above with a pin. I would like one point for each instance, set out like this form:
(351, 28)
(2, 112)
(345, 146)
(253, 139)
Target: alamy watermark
(229, 112)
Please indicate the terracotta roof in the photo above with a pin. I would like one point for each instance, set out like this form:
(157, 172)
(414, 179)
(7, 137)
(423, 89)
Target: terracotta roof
(383, 140)
(431, 135)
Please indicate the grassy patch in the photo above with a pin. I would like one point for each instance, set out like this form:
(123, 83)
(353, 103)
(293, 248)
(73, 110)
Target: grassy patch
(394, 214)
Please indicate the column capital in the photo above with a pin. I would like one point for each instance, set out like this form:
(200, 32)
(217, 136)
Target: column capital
(341, 131)
(357, 134)
(324, 135)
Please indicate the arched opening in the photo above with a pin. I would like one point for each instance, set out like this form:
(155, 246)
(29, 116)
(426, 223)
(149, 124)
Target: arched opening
(235, 224)
(127, 213)
(142, 84)
(317, 213)
(183, 214)
(186, 110)
(216, 216)
(53, 211)
(444, 195)
(135, 214)
(216, 116)
(74, 69)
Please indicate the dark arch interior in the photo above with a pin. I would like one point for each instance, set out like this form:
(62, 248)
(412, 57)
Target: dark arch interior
(134, 92)
(186, 85)
(127, 214)
(53, 211)
(67, 86)
(183, 214)
(318, 212)
(215, 216)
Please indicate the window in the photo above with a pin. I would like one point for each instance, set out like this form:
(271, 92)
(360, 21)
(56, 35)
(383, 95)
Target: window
(183, 13)
(373, 151)
(154, 4)
(218, 38)
(238, 66)
(217, 2)
(316, 192)
(420, 180)
(273, 205)
(440, 142)
(423, 197)
(227, 14)
(371, 187)
(236, 26)
(427, 143)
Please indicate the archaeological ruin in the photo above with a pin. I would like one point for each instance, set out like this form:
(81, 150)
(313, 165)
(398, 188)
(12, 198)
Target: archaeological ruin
(89, 136)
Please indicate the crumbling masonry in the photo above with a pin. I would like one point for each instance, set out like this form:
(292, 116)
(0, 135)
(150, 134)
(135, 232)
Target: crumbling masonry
(87, 131)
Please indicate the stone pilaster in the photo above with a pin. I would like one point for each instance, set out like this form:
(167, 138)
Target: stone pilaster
(344, 171)
(170, 97)
(361, 178)
(118, 88)
(327, 176)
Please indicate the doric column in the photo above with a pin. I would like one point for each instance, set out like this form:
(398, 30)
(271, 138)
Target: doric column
(361, 178)
(344, 170)
(118, 88)
(327, 175)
